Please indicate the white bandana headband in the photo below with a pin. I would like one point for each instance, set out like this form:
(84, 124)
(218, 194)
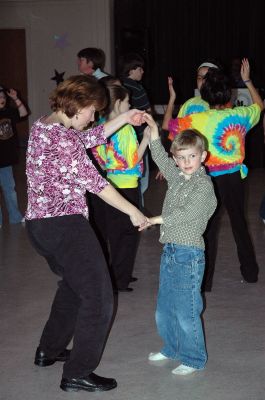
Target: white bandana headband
(207, 64)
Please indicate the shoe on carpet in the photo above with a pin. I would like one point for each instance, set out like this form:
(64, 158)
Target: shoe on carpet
(42, 360)
(157, 357)
(250, 280)
(183, 370)
(90, 383)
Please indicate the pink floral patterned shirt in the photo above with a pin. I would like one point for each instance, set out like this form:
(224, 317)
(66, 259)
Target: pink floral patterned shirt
(59, 171)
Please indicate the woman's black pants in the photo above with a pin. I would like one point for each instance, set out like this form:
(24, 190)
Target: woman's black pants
(83, 305)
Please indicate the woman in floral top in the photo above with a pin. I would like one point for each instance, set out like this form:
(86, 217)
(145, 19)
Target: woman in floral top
(58, 175)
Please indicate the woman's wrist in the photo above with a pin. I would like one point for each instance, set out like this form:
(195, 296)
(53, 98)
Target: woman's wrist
(247, 80)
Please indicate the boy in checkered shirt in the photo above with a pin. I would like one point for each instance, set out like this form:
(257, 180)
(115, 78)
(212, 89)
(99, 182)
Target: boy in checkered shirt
(189, 203)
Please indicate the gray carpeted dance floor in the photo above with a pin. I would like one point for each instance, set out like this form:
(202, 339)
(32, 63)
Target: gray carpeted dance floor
(233, 319)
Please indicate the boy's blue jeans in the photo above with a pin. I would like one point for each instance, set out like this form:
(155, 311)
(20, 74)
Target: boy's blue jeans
(179, 305)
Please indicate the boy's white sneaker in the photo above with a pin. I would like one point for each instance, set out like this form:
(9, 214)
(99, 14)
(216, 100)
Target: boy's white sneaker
(183, 370)
(157, 357)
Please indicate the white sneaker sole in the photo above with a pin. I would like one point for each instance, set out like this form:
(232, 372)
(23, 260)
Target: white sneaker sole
(183, 370)
(157, 357)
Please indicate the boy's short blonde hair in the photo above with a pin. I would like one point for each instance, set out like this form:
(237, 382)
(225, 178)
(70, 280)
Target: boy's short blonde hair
(186, 139)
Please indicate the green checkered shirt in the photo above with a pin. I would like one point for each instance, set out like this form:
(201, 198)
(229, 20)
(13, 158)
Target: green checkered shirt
(188, 204)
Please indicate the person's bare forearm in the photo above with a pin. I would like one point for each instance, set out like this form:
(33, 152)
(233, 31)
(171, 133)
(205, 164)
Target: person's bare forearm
(132, 117)
(254, 94)
(142, 147)
(168, 114)
(158, 220)
(21, 108)
(245, 75)
(114, 124)
(12, 93)
(152, 221)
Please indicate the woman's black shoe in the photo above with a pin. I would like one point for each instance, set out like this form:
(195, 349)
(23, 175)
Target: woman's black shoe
(43, 361)
(90, 383)
(133, 279)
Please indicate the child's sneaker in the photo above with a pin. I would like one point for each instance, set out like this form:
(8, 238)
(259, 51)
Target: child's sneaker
(157, 357)
(183, 370)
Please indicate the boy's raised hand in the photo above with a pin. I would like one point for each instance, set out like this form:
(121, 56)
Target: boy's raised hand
(152, 125)
(149, 120)
(135, 117)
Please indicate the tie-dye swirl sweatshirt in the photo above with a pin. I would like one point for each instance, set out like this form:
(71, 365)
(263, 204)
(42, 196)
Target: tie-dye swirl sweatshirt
(119, 158)
(194, 105)
(225, 131)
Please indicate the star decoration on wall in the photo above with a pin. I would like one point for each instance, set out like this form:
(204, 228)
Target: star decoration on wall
(58, 77)
(61, 41)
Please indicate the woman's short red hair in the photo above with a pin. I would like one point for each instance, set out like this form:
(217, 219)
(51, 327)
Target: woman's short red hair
(77, 92)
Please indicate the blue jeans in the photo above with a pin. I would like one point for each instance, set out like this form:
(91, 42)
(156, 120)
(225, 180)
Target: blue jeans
(7, 184)
(179, 305)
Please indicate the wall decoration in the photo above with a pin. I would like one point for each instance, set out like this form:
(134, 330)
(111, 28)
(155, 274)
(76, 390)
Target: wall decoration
(61, 41)
(58, 77)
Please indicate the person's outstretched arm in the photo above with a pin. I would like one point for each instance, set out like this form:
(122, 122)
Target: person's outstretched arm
(152, 129)
(152, 221)
(133, 117)
(96, 136)
(144, 143)
(12, 93)
(245, 75)
(170, 105)
(111, 196)
(166, 164)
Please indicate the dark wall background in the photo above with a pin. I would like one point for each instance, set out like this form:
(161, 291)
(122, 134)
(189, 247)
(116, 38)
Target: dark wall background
(176, 36)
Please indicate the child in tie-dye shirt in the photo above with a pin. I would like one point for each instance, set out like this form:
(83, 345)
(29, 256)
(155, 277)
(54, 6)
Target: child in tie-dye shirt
(121, 158)
(225, 130)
